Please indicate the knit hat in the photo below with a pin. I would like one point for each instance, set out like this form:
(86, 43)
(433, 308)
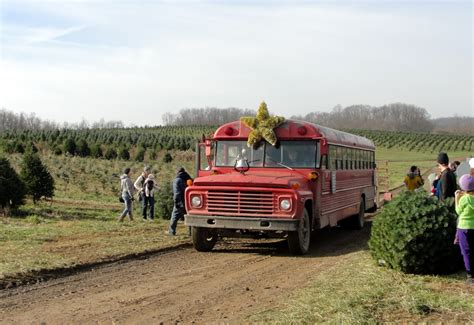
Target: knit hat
(443, 158)
(466, 182)
(180, 170)
(126, 170)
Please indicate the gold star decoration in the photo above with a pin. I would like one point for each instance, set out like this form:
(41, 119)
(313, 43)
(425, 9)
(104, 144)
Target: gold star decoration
(262, 126)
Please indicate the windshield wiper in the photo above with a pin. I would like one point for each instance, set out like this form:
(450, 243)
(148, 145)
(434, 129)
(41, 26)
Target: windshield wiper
(279, 163)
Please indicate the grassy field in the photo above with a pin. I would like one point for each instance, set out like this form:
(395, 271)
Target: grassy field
(69, 232)
(356, 291)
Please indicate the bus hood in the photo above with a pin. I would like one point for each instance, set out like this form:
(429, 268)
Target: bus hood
(252, 179)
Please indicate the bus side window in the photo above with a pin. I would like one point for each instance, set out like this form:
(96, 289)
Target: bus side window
(324, 162)
(332, 157)
(344, 158)
(357, 159)
(338, 158)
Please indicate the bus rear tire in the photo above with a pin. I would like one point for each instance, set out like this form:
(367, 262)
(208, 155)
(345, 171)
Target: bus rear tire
(299, 241)
(358, 220)
(204, 239)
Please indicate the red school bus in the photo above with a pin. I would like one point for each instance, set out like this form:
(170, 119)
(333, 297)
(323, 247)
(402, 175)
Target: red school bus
(313, 178)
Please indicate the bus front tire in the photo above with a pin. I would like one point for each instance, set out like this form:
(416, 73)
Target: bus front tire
(298, 241)
(204, 239)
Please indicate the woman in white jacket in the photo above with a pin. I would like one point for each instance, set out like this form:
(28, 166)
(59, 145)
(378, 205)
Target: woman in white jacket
(127, 189)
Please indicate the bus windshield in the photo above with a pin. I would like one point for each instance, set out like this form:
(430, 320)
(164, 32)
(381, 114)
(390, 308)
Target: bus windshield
(293, 154)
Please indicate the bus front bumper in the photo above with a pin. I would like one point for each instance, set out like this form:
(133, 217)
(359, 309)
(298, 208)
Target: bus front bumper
(248, 223)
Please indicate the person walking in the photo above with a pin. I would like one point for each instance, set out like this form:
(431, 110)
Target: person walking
(149, 197)
(413, 179)
(447, 182)
(139, 186)
(127, 190)
(464, 202)
(179, 185)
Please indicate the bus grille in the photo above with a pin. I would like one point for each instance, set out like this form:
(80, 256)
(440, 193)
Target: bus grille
(240, 202)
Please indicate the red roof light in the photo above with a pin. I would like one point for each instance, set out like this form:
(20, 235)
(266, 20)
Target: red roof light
(302, 130)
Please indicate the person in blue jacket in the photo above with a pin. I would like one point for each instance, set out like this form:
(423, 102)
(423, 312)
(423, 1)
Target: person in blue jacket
(179, 185)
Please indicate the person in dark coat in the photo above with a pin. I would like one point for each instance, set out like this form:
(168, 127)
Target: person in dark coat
(179, 185)
(447, 181)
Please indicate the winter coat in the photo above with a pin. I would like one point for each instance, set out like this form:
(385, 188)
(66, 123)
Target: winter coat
(126, 185)
(447, 184)
(179, 185)
(413, 181)
(139, 182)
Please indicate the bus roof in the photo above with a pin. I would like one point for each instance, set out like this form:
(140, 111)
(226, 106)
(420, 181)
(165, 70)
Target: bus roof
(296, 130)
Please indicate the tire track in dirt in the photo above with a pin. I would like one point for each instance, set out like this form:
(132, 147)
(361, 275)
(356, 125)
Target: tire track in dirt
(237, 279)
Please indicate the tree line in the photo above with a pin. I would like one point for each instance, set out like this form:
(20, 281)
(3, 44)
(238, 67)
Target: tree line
(392, 117)
(22, 121)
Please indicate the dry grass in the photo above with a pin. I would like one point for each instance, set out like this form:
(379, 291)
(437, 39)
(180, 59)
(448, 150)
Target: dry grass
(356, 291)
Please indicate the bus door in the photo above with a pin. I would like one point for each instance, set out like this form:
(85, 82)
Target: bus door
(204, 158)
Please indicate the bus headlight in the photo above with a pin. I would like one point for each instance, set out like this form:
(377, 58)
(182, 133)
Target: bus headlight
(285, 204)
(196, 201)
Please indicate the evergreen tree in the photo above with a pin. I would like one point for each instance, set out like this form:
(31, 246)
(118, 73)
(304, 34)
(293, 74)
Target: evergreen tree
(140, 154)
(96, 151)
(83, 149)
(124, 153)
(164, 201)
(110, 153)
(39, 182)
(12, 189)
(70, 146)
(167, 158)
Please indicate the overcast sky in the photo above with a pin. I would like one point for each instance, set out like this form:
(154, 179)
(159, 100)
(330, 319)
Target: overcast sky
(135, 60)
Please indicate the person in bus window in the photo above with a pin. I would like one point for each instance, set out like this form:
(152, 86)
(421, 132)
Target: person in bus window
(293, 158)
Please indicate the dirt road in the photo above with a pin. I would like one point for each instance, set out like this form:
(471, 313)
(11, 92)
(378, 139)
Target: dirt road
(237, 279)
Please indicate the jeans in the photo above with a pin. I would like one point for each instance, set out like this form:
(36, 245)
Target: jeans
(148, 202)
(466, 243)
(178, 212)
(127, 206)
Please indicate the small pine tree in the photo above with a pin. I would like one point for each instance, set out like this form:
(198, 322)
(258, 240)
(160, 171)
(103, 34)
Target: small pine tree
(12, 189)
(124, 154)
(110, 153)
(19, 147)
(96, 151)
(39, 182)
(70, 146)
(83, 149)
(164, 201)
(167, 158)
(140, 154)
